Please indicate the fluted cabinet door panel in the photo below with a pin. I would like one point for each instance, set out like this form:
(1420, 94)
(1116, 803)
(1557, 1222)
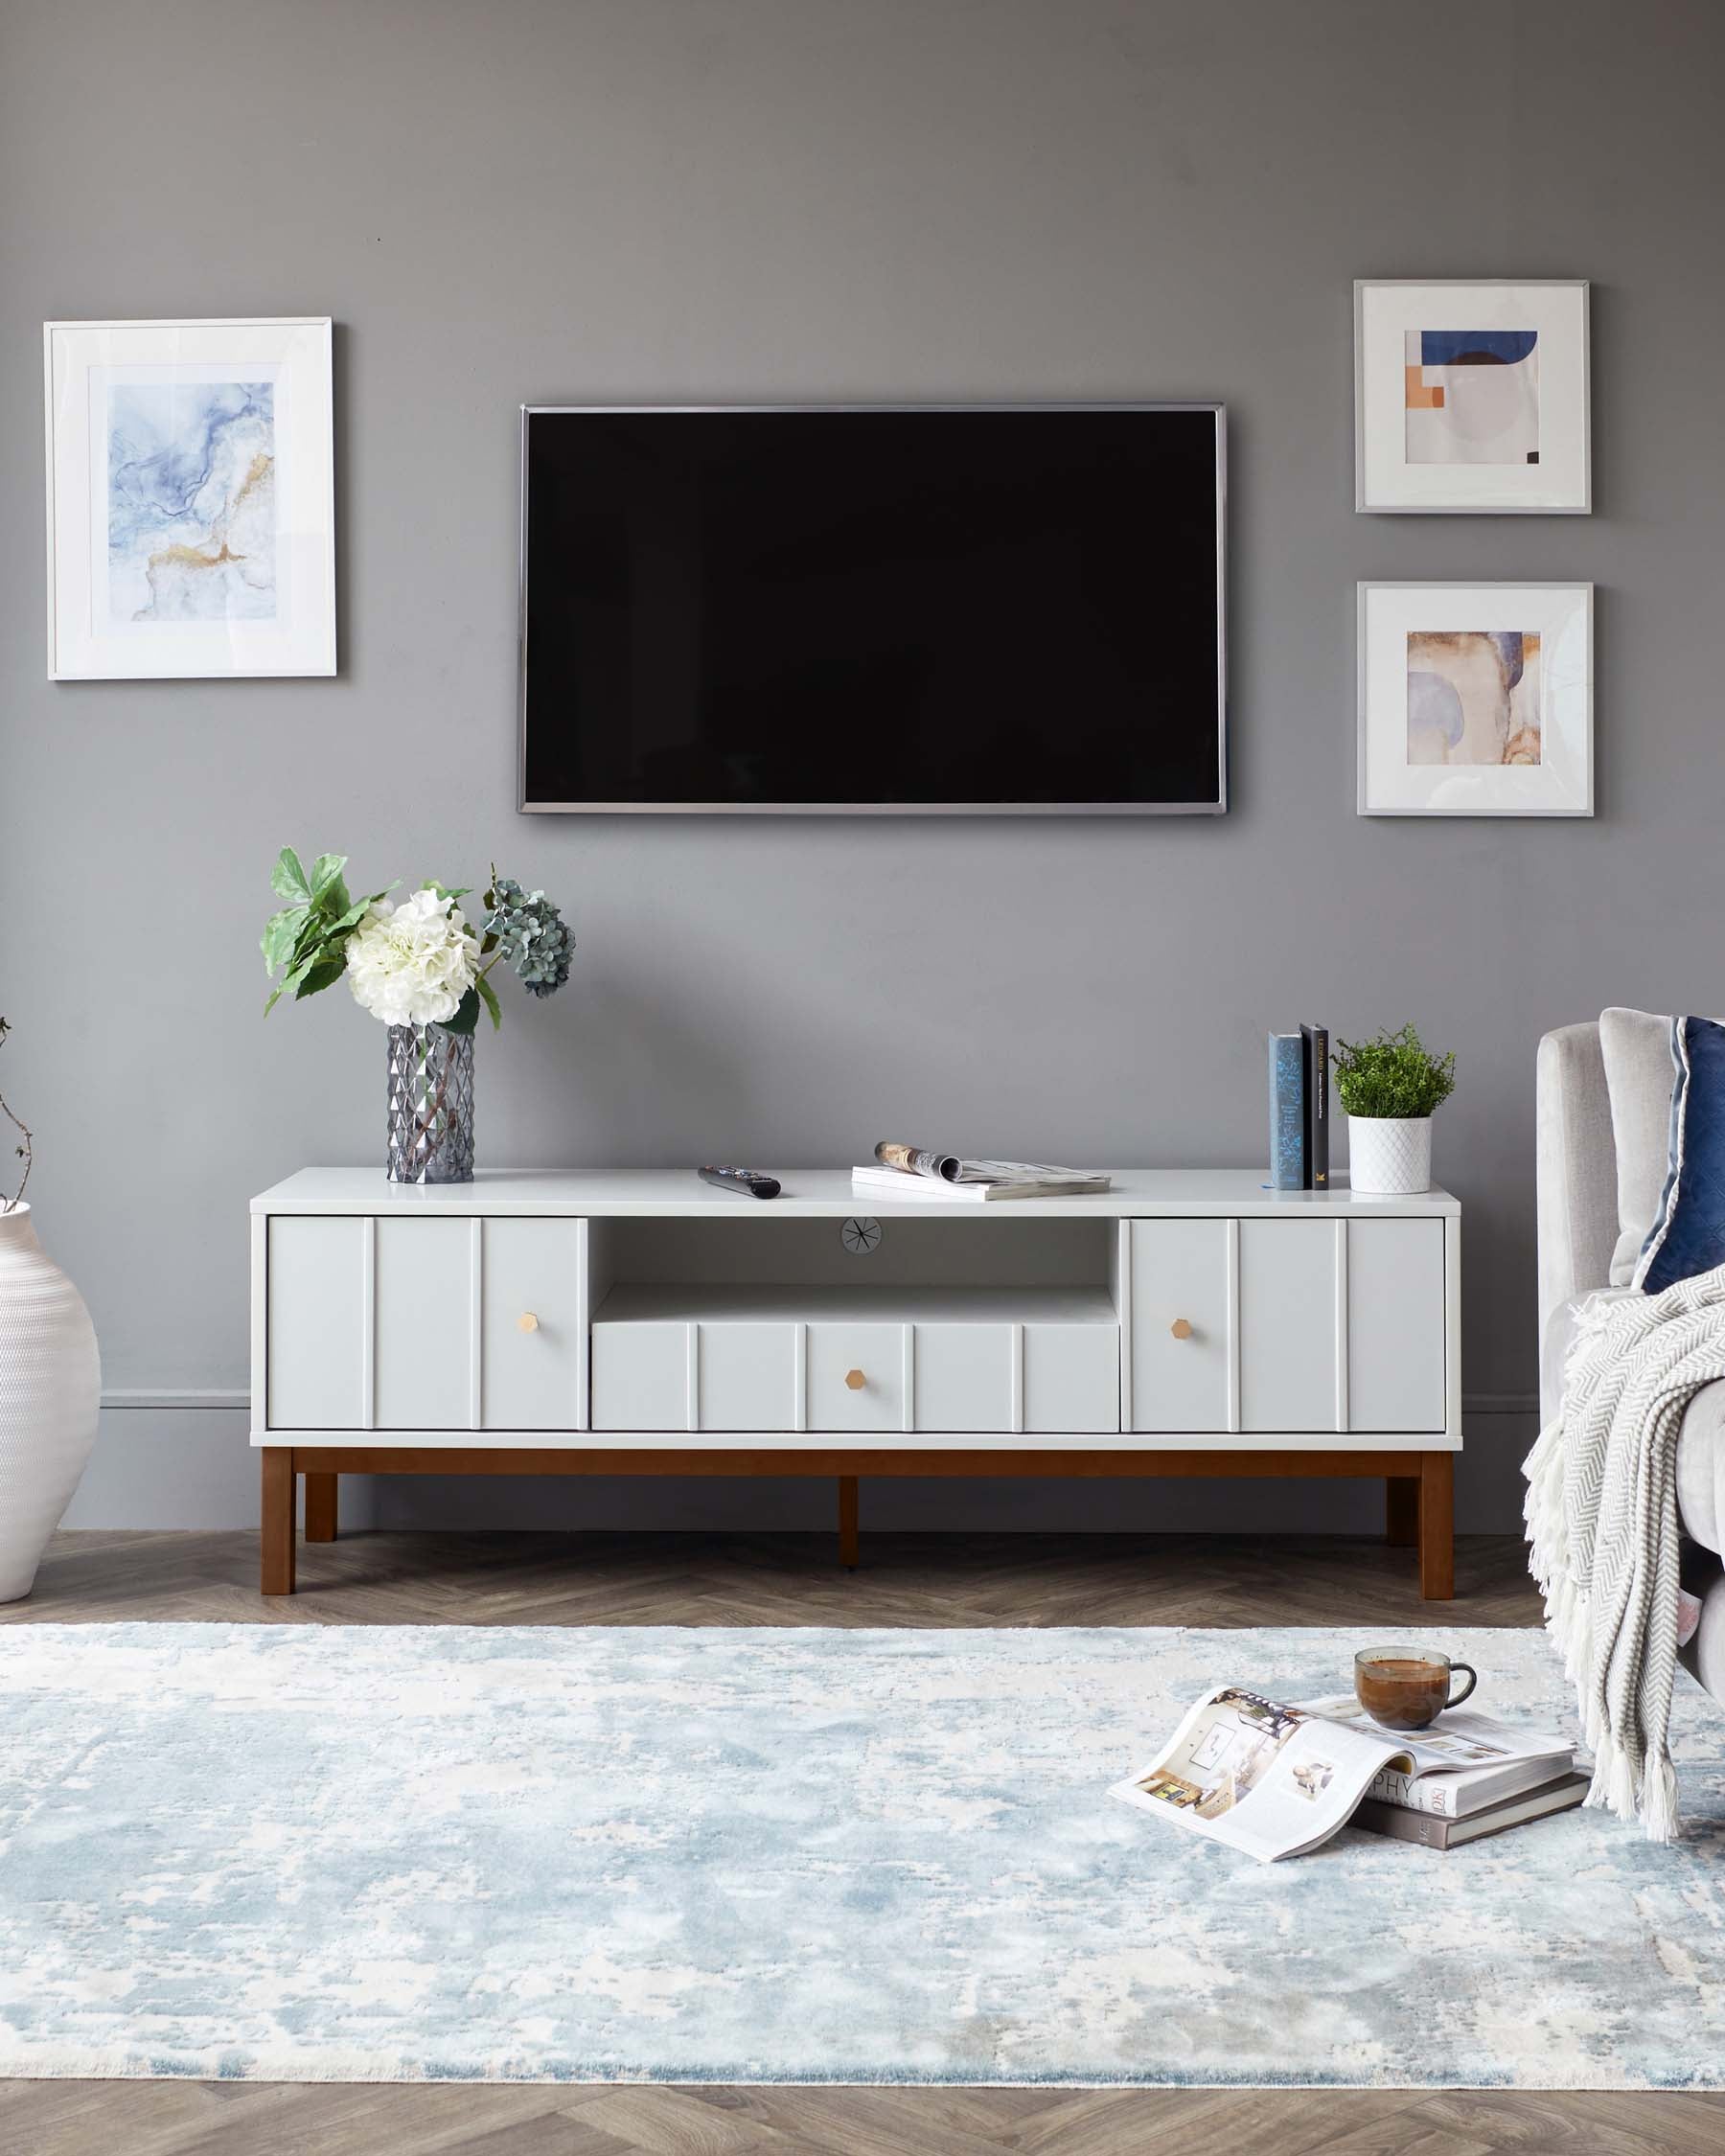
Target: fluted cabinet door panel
(1288, 1324)
(531, 1331)
(316, 1294)
(425, 1306)
(1396, 1324)
(1179, 1278)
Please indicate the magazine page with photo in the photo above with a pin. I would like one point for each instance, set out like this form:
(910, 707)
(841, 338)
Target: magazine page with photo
(1271, 1780)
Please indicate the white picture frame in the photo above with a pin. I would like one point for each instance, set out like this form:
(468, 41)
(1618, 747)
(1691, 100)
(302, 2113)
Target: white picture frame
(1451, 671)
(1454, 437)
(191, 506)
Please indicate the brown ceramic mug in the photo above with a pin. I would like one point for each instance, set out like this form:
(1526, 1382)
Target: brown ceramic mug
(1408, 1688)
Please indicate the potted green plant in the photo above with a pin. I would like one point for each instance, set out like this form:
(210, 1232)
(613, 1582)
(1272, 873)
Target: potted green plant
(1388, 1089)
(421, 966)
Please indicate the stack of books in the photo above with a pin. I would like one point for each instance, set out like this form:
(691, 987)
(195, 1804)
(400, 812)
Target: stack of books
(1299, 1109)
(1446, 1807)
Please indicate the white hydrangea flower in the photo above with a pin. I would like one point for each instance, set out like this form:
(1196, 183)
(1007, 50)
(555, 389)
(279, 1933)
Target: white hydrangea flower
(411, 964)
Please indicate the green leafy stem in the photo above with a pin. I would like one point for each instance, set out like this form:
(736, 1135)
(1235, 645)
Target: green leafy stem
(306, 940)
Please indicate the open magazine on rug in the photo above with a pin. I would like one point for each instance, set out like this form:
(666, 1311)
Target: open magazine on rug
(1274, 1780)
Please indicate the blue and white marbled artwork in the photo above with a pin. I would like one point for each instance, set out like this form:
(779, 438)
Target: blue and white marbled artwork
(192, 518)
(307, 1852)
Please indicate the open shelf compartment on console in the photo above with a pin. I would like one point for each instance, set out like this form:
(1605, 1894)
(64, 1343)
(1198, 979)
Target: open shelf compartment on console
(949, 1327)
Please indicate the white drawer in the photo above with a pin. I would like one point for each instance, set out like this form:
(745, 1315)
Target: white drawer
(747, 1375)
(855, 1377)
(1072, 1379)
(965, 1377)
(644, 1375)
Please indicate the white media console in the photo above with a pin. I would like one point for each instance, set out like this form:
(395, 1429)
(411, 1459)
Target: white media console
(1189, 1322)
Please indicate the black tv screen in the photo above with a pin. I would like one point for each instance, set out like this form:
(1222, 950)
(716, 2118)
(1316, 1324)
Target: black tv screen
(873, 609)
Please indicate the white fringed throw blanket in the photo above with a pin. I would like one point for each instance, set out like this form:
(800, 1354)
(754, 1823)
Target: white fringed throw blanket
(1602, 1524)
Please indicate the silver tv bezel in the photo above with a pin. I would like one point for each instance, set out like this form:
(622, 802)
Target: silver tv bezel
(1217, 807)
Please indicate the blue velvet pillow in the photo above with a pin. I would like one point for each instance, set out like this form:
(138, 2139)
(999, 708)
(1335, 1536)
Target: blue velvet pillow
(1687, 1235)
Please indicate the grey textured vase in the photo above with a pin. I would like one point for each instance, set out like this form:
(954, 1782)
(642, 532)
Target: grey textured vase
(431, 1104)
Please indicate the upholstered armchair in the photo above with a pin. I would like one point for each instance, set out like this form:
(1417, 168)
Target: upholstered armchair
(1586, 1237)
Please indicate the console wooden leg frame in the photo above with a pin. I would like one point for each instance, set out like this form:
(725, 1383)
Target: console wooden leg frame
(1420, 1486)
(277, 1535)
(320, 1507)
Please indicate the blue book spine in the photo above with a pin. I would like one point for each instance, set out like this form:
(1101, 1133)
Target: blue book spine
(1287, 1111)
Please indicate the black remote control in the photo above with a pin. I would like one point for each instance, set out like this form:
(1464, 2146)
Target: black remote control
(745, 1181)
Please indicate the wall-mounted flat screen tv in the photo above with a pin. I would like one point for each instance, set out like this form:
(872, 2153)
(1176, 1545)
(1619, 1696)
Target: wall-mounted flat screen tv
(873, 611)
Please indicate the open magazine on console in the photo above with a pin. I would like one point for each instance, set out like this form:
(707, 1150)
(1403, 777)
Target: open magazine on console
(1274, 1780)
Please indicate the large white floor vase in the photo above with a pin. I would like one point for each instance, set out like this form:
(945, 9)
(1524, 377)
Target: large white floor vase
(50, 1387)
(1390, 1155)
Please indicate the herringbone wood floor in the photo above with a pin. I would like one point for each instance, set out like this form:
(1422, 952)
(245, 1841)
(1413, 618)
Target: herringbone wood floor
(906, 1579)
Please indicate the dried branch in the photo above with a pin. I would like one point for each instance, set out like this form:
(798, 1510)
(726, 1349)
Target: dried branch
(23, 1151)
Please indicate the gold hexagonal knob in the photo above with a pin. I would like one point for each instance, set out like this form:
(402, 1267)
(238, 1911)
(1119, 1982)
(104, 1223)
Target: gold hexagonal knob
(1181, 1328)
(527, 1322)
(854, 1380)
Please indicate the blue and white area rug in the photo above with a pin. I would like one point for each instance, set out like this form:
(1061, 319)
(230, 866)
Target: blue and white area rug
(685, 1855)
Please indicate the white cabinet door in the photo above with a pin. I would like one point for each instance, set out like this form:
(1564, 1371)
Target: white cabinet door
(964, 1377)
(874, 1357)
(533, 1326)
(317, 1307)
(1289, 1324)
(423, 1328)
(1395, 1294)
(1179, 1278)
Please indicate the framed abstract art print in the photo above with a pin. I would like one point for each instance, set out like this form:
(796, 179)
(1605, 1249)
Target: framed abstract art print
(191, 500)
(1475, 700)
(1471, 398)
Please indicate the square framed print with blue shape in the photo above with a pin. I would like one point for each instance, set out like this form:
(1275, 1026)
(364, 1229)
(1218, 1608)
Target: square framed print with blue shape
(1471, 398)
(191, 498)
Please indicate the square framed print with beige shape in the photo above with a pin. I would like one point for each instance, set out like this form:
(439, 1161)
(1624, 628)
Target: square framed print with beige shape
(1475, 700)
(1471, 398)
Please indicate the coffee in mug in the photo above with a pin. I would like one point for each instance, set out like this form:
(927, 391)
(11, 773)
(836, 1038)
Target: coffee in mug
(1408, 1688)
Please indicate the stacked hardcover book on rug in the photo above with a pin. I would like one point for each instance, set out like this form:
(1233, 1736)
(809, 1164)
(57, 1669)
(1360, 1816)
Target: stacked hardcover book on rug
(909, 1171)
(1275, 1780)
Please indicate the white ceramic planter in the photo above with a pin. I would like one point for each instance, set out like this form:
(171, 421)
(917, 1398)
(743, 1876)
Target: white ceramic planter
(50, 1387)
(1390, 1155)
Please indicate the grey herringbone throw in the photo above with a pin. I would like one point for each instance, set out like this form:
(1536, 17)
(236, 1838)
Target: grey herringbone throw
(1602, 1524)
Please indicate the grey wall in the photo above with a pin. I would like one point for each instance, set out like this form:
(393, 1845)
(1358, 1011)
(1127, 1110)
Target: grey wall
(880, 198)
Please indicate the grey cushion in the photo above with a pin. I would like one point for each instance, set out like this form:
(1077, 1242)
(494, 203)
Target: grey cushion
(1636, 1048)
(1700, 1445)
